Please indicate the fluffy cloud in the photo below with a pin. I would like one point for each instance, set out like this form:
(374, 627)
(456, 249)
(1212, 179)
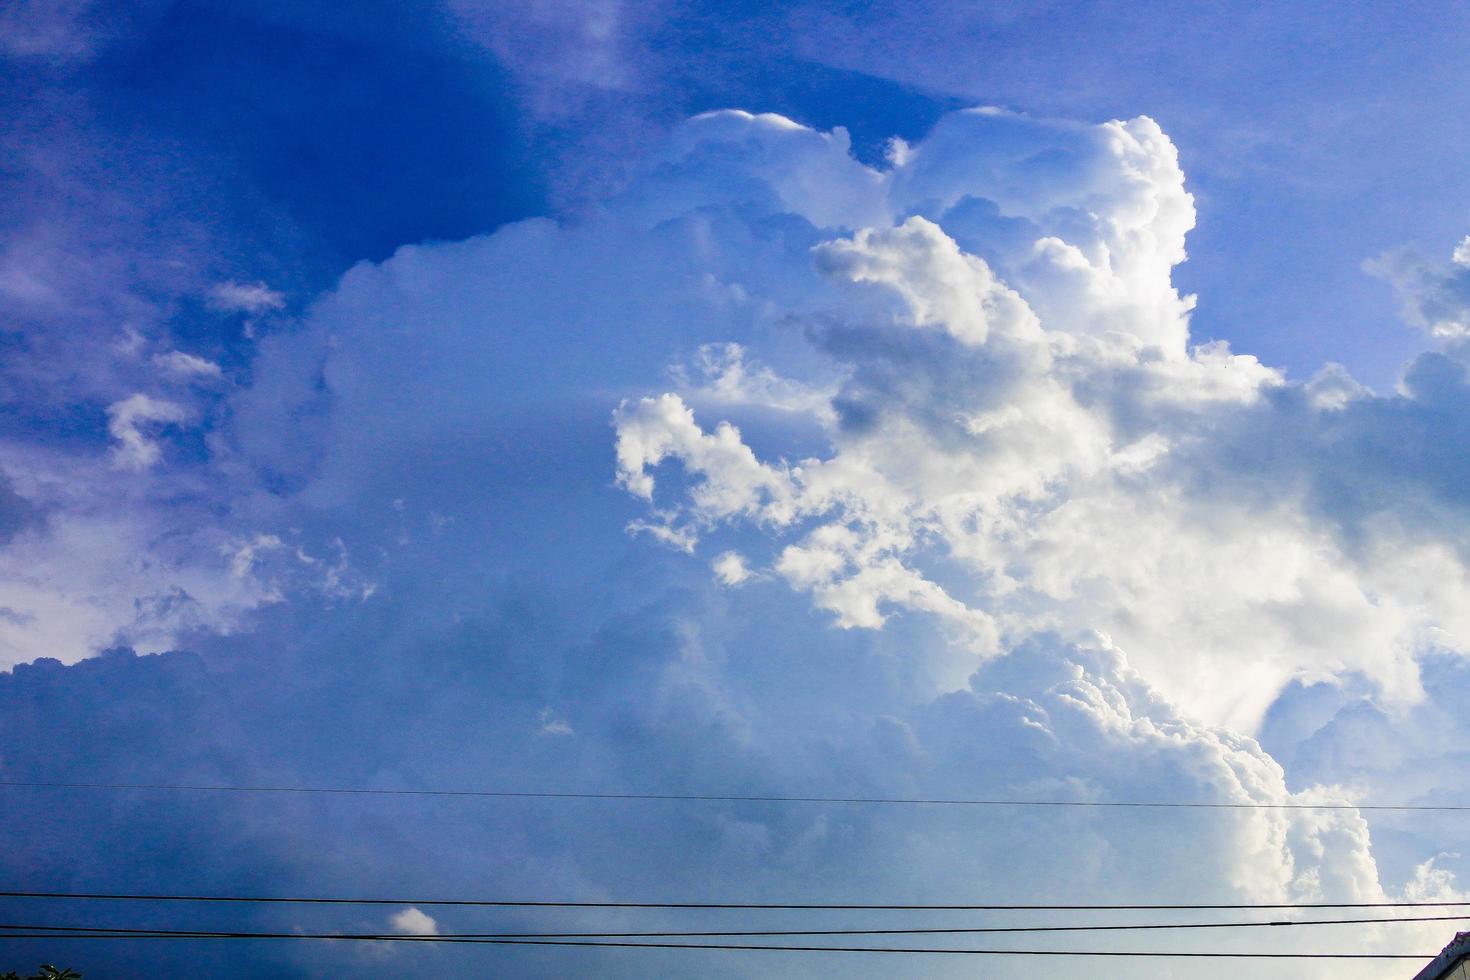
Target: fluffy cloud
(999, 530)
(730, 568)
(125, 421)
(245, 297)
(983, 365)
(413, 922)
(187, 366)
(1435, 295)
(134, 546)
(1049, 432)
(95, 556)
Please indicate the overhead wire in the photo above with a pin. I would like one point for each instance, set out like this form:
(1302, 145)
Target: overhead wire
(644, 940)
(774, 906)
(620, 944)
(6, 929)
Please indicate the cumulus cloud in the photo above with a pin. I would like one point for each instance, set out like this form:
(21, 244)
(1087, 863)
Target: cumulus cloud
(730, 568)
(86, 580)
(1046, 431)
(253, 298)
(125, 422)
(722, 374)
(413, 922)
(1015, 433)
(999, 528)
(1435, 295)
(187, 366)
(92, 557)
(732, 480)
(1090, 727)
(940, 285)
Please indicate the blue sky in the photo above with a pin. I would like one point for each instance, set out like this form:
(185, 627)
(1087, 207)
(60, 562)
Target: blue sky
(803, 399)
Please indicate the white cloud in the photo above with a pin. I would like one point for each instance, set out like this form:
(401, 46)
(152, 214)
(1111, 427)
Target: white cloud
(989, 409)
(125, 421)
(1087, 722)
(242, 562)
(120, 573)
(552, 725)
(808, 173)
(950, 409)
(732, 480)
(98, 561)
(940, 285)
(253, 298)
(1104, 231)
(730, 568)
(187, 366)
(722, 375)
(1049, 439)
(413, 922)
(1435, 295)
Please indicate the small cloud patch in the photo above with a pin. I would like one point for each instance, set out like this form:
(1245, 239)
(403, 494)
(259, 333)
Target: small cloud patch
(254, 298)
(413, 922)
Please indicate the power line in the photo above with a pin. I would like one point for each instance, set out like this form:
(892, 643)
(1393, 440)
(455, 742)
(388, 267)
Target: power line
(770, 933)
(377, 937)
(730, 798)
(774, 906)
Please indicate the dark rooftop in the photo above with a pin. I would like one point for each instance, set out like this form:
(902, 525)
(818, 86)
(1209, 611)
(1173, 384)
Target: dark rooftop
(1443, 966)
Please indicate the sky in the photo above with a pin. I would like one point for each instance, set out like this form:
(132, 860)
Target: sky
(1024, 400)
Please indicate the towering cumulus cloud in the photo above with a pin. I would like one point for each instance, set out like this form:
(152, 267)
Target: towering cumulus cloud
(915, 486)
(1021, 439)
